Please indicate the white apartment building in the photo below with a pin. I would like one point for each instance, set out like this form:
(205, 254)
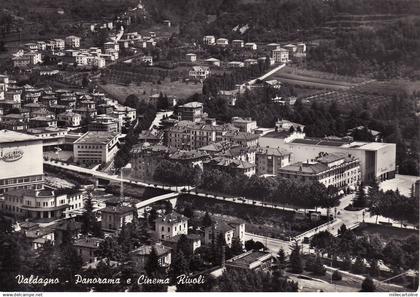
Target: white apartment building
(280, 55)
(21, 161)
(338, 170)
(209, 40)
(72, 41)
(171, 225)
(199, 72)
(95, 147)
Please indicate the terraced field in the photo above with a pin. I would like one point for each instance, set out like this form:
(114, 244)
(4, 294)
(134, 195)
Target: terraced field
(315, 79)
(347, 99)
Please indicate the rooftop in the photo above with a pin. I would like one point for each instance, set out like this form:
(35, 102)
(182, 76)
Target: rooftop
(172, 217)
(188, 155)
(96, 137)
(145, 250)
(233, 163)
(249, 260)
(8, 136)
(88, 242)
(273, 151)
(121, 209)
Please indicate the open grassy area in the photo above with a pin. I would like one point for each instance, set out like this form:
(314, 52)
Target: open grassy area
(143, 90)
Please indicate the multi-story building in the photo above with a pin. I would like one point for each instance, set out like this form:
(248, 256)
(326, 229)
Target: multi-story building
(142, 254)
(87, 248)
(235, 64)
(244, 124)
(114, 217)
(191, 57)
(239, 152)
(41, 204)
(231, 166)
(280, 55)
(222, 42)
(72, 41)
(27, 59)
(105, 123)
(270, 160)
(209, 40)
(199, 72)
(301, 48)
(58, 44)
(145, 158)
(251, 46)
(192, 111)
(171, 225)
(70, 119)
(338, 170)
(188, 135)
(21, 161)
(95, 147)
(241, 138)
(237, 43)
(229, 230)
(377, 160)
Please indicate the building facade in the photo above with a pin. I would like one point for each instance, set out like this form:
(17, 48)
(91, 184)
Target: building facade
(337, 170)
(95, 147)
(171, 225)
(21, 161)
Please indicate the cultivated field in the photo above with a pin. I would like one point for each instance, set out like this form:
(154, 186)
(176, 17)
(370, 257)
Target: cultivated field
(315, 79)
(143, 90)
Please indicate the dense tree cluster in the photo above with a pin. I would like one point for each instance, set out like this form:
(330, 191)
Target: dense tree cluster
(228, 81)
(271, 189)
(175, 173)
(387, 52)
(251, 281)
(398, 254)
(392, 204)
(148, 113)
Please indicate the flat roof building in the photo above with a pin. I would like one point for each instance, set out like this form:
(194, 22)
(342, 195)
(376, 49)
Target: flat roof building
(377, 159)
(21, 161)
(95, 147)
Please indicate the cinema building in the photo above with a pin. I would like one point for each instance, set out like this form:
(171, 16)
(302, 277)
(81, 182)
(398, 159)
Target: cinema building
(21, 161)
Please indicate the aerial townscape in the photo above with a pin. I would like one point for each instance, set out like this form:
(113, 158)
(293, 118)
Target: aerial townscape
(209, 145)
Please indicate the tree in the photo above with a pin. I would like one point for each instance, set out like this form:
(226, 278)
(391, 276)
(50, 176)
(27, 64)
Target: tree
(360, 200)
(393, 255)
(336, 276)
(207, 221)
(281, 257)
(152, 264)
(318, 267)
(110, 249)
(295, 260)
(179, 265)
(322, 241)
(368, 285)
(358, 266)
(183, 245)
(89, 222)
(249, 245)
(236, 248)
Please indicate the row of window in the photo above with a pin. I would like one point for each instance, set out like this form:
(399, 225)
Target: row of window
(12, 181)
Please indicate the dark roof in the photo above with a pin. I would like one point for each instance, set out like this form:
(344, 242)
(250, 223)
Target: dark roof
(172, 217)
(121, 209)
(145, 250)
(273, 151)
(88, 242)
